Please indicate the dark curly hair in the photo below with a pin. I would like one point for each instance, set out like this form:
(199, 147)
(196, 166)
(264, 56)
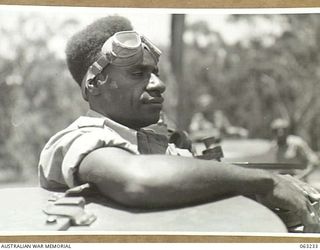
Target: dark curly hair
(83, 48)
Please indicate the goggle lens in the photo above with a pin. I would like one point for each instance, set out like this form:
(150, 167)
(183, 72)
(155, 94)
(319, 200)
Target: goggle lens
(127, 39)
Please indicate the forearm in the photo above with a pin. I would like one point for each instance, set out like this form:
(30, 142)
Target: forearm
(173, 181)
(162, 181)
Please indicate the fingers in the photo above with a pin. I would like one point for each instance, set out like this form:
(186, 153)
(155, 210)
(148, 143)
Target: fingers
(307, 189)
(310, 216)
(298, 197)
(310, 219)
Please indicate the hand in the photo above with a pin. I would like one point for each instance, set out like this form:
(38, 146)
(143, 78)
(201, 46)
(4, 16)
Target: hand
(292, 200)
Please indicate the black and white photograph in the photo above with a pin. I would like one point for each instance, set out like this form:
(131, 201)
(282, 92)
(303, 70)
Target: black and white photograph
(159, 121)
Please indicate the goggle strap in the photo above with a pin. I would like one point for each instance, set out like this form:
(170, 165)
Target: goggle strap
(154, 56)
(99, 65)
(152, 48)
(84, 85)
(95, 69)
(110, 56)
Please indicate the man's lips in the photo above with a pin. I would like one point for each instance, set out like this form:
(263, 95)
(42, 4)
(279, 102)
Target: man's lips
(148, 99)
(156, 100)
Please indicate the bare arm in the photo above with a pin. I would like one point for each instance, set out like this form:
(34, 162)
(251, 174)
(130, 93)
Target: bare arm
(154, 181)
(163, 181)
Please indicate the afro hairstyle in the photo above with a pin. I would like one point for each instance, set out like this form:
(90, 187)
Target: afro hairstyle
(83, 48)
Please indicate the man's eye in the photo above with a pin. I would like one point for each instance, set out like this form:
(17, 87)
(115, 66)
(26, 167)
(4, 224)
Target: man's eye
(138, 73)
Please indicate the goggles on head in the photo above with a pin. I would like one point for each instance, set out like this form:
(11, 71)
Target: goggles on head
(123, 49)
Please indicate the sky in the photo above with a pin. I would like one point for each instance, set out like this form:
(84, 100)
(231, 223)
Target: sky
(154, 23)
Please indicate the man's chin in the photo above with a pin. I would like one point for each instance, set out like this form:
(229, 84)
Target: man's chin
(147, 121)
(152, 107)
(151, 122)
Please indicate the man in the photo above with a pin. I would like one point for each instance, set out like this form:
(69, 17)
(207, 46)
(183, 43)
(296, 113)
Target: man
(293, 149)
(117, 71)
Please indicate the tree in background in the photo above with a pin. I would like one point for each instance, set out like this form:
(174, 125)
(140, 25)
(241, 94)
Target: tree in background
(39, 99)
(177, 67)
(261, 77)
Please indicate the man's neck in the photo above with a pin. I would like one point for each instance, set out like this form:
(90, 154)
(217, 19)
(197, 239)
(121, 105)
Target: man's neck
(125, 123)
(126, 132)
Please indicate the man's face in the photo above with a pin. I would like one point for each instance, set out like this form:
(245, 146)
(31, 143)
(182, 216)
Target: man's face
(132, 95)
(281, 135)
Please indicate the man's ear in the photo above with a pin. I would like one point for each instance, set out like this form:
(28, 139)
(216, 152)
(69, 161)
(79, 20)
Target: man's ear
(94, 86)
(93, 89)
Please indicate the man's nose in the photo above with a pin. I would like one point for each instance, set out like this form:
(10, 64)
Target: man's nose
(155, 84)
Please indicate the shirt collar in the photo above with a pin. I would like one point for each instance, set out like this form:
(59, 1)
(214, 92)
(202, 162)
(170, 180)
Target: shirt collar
(125, 132)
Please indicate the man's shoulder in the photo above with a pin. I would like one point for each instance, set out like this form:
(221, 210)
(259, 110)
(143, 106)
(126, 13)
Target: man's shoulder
(65, 150)
(295, 140)
(82, 125)
(86, 123)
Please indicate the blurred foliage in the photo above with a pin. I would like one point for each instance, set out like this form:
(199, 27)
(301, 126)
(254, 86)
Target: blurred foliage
(38, 96)
(259, 78)
(253, 81)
